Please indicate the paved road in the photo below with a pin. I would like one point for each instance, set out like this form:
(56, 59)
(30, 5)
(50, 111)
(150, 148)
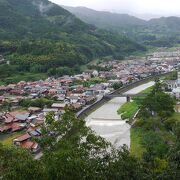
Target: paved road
(108, 124)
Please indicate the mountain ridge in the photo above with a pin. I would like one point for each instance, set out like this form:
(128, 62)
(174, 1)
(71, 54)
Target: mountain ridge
(164, 31)
(39, 36)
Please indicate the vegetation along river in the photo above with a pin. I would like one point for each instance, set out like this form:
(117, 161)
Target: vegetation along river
(108, 124)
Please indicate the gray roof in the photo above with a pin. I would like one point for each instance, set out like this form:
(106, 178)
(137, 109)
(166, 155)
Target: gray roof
(22, 117)
(50, 110)
(170, 82)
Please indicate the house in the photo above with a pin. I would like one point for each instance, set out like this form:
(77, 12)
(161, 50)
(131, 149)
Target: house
(25, 143)
(176, 92)
(48, 110)
(8, 118)
(73, 99)
(59, 106)
(90, 92)
(34, 133)
(90, 99)
(5, 129)
(170, 84)
(21, 139)
(15, 127)
(2, 117)
(34, 109)
(33, 147)
(3, 88)
(52, 91)
(76, 106)
(2, 99)
(95, 73)
(22, 117)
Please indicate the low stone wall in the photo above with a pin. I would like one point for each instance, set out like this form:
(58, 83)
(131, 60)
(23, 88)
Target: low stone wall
(83, 114)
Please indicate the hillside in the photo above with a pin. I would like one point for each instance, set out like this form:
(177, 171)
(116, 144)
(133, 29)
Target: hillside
(155, 32)
(37, 35)
(102, 19)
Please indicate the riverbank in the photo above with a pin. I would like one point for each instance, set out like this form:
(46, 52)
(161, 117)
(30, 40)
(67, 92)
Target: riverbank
(128, 110)
(108, 124)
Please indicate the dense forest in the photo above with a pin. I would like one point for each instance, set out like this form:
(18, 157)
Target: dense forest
(37, 36)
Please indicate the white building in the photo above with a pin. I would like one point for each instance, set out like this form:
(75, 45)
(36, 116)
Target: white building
(176, 91)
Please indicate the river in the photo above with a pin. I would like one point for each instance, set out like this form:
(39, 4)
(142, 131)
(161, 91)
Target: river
(108, 124)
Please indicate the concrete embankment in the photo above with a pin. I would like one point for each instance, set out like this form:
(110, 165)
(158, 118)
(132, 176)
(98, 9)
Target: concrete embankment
(88, 110)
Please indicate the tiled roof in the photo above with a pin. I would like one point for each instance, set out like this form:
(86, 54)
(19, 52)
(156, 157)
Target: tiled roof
(22, 138)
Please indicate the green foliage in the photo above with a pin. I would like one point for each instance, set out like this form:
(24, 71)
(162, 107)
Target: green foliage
(40, 102)
(128, 110)
(159, 102)
(159, 32)
(17, 77)
(93, 81)
(154, 145)
(156, 121)
(40, 42)
(137, 148)
(18, 164)
(117, 85)
(72, 151)
(78, 153)
(172, 76)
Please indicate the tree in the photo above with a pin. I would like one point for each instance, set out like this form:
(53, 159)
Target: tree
(158, 102)
(78, 153)
(117, 85)
(18, 164)
(72, 151)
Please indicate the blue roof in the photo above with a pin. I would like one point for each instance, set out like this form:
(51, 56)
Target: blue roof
(34, 133)
(38, 130)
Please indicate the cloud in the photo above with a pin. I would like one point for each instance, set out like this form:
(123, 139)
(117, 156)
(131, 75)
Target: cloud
(43, 8)
(137, 6)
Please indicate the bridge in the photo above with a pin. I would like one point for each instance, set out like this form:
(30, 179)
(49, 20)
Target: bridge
(128, 96)
(118, 93)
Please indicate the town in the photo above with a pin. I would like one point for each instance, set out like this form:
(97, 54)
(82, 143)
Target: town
(25, 105)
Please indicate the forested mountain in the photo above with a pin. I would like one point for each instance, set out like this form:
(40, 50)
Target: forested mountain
(159, 32)
(103, 19)
(36, 35)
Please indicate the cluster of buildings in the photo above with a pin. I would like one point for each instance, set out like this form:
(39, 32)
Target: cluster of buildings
(78, 92)
(165, 55)
(28, 123)
(131, 71)
(63, 91)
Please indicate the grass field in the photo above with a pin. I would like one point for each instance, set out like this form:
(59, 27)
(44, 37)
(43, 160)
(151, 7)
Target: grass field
(147, 91)
(136, 148)
(176, 116)
(23, 77)
(128, 110)
(7, 141)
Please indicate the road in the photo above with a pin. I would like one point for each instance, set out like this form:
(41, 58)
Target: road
(108, 124)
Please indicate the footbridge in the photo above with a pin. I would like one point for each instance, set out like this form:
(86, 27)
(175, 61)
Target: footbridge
(128, 96)
(121, 92)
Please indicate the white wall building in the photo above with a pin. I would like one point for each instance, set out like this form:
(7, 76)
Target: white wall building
(176, 91)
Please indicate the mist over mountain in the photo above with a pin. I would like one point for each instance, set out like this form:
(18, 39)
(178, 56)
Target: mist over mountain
(162, 31)
(39, 36)
(104, 19)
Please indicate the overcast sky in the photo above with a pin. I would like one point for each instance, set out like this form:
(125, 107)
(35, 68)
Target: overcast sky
(162, 7)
